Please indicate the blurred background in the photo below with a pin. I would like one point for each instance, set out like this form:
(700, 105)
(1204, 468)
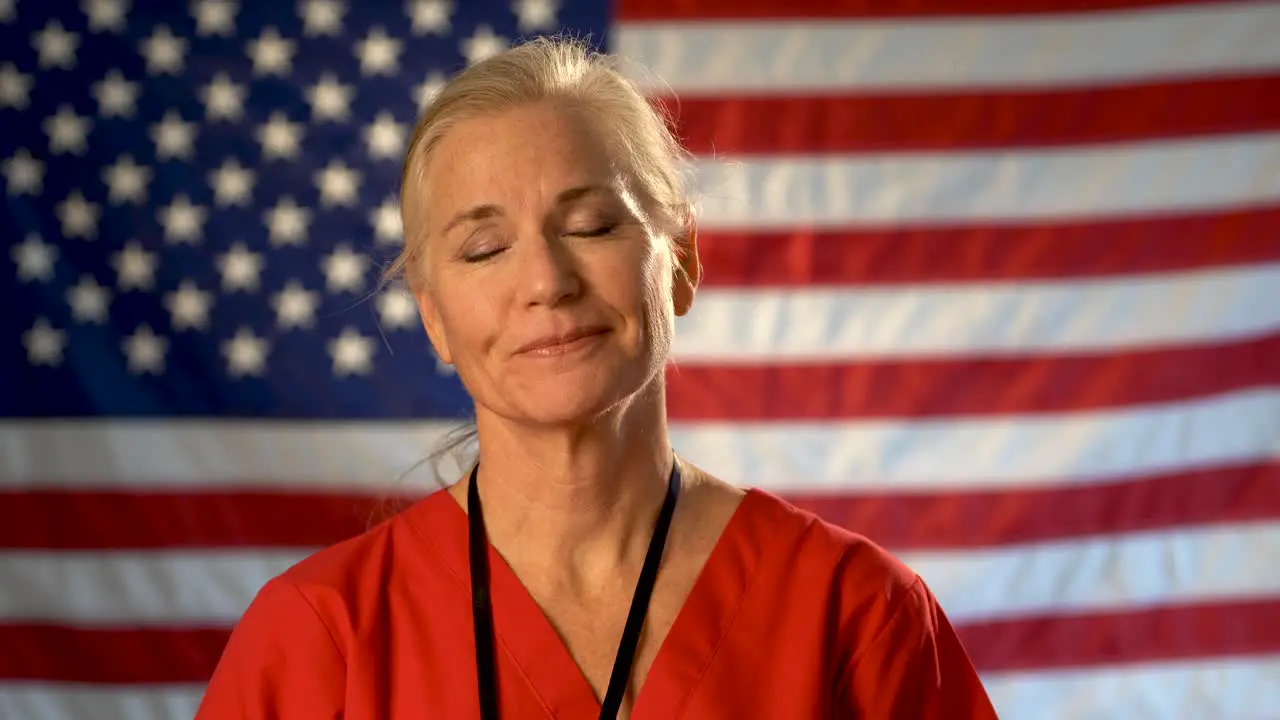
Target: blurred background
(996, 284)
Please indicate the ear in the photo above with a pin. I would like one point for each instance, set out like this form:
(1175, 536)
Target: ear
(688, 269)
(433, 323)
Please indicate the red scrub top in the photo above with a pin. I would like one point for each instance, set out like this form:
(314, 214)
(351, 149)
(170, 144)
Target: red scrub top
(790, 618)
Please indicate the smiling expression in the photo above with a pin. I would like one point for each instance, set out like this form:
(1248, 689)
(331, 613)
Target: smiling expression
(546, 282)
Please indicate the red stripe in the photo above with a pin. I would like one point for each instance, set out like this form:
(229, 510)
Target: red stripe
(115, 656)
(990, 252)
(672, 10)
(918, 388)
(964, 518)
(1226, 628)
(189, 655)
(87, 519)
(975, 518)
(960, 121)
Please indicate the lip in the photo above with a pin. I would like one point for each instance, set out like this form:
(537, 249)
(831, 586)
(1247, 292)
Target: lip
(559, 343)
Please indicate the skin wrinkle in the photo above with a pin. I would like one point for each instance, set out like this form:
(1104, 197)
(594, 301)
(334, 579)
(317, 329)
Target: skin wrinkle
(660, 267)
(434, 239)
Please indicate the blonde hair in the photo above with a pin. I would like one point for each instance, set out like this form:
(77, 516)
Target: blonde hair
(557, 70)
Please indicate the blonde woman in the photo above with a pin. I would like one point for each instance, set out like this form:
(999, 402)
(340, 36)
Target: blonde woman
(580, 569)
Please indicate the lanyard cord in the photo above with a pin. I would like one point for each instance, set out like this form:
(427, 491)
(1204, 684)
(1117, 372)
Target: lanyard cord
(482, 605)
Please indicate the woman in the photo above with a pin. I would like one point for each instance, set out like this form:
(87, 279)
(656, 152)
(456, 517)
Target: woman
(580, 570)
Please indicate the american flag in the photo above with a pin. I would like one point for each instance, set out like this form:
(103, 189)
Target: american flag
(996, 284)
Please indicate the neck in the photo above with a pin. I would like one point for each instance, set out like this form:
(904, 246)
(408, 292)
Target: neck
(578, 500)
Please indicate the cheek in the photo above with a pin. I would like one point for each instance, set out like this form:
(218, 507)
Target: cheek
(470, 322)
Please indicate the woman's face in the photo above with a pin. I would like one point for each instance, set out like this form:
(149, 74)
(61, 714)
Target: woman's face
(546, 283)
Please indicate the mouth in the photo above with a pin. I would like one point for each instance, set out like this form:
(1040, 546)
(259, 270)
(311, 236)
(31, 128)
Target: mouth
(562, 343)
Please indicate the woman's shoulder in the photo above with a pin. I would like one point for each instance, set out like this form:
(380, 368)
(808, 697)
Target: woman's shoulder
(861, 587)
(810, 541)
(798, 558)
(365, 562)
(291, 646)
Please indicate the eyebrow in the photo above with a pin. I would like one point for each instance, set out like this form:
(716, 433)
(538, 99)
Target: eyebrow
(483, 212)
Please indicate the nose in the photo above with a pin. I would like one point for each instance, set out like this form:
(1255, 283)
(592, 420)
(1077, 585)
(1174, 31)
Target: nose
(548, 272)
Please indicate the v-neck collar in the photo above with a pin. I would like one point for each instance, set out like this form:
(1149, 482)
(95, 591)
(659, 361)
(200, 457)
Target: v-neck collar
(523, 631)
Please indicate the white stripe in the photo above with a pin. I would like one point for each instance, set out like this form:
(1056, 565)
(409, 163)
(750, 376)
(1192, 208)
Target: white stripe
(1121, 179)
(1008, 451)
(1221, 688)
(1128, 571)
(132, 588)
(729, 326)
(370, 456)
(1037, 51)
(135, 588)
(67, 701)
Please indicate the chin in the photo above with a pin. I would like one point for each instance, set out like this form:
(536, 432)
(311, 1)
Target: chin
(573, 398)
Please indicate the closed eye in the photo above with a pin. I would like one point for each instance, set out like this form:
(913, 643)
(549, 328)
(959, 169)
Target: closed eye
(482, 256)
(594, 232)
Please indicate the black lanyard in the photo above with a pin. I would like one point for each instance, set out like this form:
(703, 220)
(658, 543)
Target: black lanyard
(482, 607)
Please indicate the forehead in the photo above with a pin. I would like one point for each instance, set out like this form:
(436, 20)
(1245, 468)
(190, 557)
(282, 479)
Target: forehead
(521, 157)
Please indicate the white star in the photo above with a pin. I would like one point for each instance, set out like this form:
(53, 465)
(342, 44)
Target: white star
(387, 223)
(384, 137)
(338, 184)
(483, 44)
(78, 216)
(271, 54)
(183, 221)
(215, 17)
(145, 351)
(322, 17)
(246, 353)
(23, 173)
(189, 306)
(116, 96)
(126, 181)
(287, 222)
(352, 353)
(44, 343)
(379, 53)
(231, 183)
(397, 309)
(535, 14)
(223, 99)
(68, 132)
(8, 10)
(330, 99)
(344, 270)
(56, 47)
(295, 306)
(430, 16)
(34, 258)
(89, 300)
(105, 14)
(15, 88)
(135, 267)
(279, 137)
(241, 269)
(164, 51)
(426, 92)
(174, 137)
